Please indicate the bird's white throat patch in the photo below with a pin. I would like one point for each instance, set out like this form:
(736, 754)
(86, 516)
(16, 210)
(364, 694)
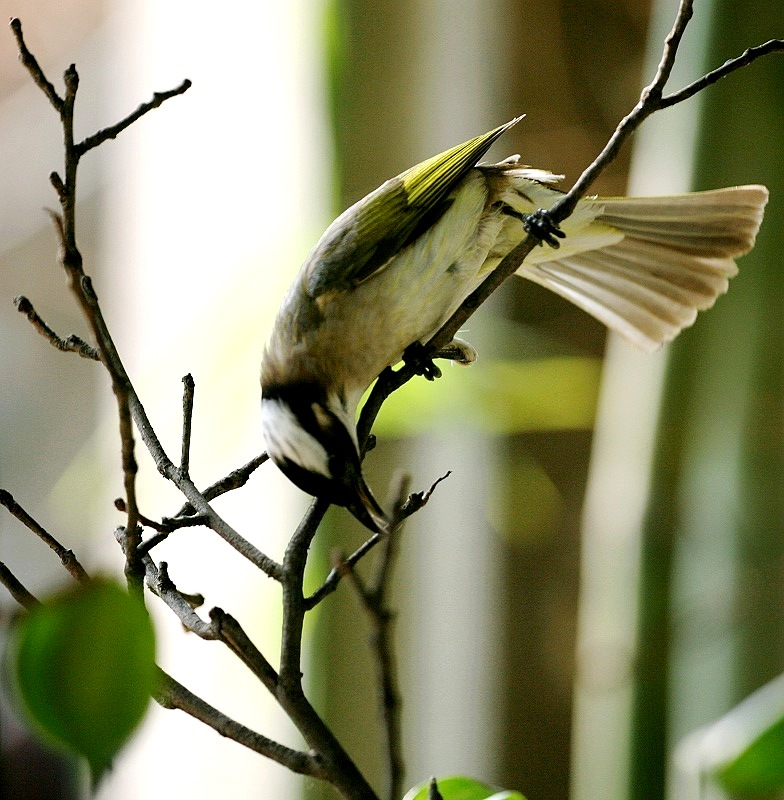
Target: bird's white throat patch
(286, 439)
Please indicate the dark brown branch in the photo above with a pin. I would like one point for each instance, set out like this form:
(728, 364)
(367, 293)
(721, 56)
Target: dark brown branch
(222, 626)
(174, 695)
(197, 502)
(129, 406)
(232, 634)
(113, 131)
(167, 524)
(66, 556)
(159, 583)
(382, 620)
(73, 344)
(189, 387)
(16, 589)
(294, 604)
(234, 480)
(341, 569)
(338, 768)
(731, 65)
(649, 102)
(412, 504)
(33, 67)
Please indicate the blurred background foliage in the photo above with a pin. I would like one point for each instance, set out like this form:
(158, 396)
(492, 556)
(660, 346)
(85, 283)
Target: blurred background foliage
(702, 572)
(559, 643)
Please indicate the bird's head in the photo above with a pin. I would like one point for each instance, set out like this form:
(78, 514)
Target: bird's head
(314, 444)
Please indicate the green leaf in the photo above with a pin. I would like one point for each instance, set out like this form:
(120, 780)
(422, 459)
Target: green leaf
(752, 738)
(759, 769)
(84, 667)
(459, 787)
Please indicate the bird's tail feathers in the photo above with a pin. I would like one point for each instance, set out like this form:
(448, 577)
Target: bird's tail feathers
(645, 266)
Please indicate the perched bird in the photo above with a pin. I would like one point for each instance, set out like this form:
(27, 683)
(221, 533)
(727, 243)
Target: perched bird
(391, 269)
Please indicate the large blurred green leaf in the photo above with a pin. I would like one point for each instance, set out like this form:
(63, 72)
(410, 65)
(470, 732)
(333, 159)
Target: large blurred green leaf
(84, 667)
(458, 787)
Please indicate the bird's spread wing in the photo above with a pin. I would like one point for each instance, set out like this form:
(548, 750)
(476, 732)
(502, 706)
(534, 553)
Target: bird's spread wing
(363, 239)
(673, 257)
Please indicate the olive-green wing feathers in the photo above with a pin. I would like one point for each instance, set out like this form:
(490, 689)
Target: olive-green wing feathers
(367, 235)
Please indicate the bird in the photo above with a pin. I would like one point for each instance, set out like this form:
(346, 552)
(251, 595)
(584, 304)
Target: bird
(392, 268)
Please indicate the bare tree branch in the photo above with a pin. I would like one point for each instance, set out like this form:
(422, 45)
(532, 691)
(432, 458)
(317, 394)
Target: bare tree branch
(73, 344)
(174, 695)
(113, 131)
(33, 67)
(129, 406)
(234, 480)
(232, 634)
(374, 599)
(412, 504)
(189, 387)
(731, 65)
(66, 556)
(15, 588)
(339, 769)
(222, 626)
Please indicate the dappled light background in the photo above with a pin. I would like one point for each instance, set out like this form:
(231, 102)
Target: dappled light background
(518, 635)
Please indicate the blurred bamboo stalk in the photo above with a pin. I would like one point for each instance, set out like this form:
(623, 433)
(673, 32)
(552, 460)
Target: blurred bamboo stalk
(698, 627)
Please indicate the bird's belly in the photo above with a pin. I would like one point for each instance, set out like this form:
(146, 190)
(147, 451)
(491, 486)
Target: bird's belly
(406, 303)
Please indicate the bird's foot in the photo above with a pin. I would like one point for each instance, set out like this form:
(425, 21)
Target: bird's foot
(459, 351)
(541, 226)
(417, 357)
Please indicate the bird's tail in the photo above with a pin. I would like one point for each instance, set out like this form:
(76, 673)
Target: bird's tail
(644, 266)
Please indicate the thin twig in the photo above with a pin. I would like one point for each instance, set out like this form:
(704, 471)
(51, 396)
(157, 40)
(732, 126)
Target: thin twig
(747, 57)
(414, 502)
(232, 634)
(382, 619)
(172, 694)
(66, 556)
(113, 131)
(189, 387)
(80, 283)
(222, 627)
(340, 569)
(73, 344)
(236, 479)
(165, 528)
(649, 102)
(159, 583)
(167, 524)
(32, 66)
(15, 588)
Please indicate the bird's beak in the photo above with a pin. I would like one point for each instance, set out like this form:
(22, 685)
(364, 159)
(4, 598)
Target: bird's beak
(365, 507)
